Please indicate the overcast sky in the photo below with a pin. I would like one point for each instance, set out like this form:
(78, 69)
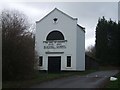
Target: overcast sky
(86, 12)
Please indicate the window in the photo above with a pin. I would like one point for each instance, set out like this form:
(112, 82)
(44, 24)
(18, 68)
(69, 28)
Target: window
(55, 35)
(55, 20)
(40, 60)
(68, 61)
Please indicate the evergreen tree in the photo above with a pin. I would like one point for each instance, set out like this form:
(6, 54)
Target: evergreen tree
(101, 39)
(107, 41)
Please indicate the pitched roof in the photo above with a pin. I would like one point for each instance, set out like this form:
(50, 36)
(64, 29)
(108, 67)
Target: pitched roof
(59, 11)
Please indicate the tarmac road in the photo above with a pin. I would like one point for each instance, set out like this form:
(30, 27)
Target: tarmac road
(92, 80)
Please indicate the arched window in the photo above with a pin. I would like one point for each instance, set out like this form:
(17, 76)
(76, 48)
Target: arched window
(55, 35)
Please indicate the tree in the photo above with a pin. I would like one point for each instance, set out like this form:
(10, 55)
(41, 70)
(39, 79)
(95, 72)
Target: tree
(18, 54)
(90, 51)
(107, 42)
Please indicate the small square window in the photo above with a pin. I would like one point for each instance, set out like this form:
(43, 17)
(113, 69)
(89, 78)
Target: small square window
(68, 61)
(40, 61)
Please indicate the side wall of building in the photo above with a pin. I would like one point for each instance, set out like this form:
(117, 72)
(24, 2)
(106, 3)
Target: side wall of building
(80, 63)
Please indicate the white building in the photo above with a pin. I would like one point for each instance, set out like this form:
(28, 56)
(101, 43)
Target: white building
(60, 43)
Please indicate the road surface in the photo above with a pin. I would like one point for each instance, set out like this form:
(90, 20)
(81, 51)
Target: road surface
(92, 80)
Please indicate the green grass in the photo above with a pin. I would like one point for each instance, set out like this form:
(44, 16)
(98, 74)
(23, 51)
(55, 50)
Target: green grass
(108, 68)
(114, 84)
(41, 77)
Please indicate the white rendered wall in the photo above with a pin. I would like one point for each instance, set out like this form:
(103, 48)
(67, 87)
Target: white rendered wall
(65, 25)
(80, 63)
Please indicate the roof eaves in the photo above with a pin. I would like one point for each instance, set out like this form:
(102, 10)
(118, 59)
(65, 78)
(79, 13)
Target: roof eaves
(45, 16)
(81, 27)
(66, 14)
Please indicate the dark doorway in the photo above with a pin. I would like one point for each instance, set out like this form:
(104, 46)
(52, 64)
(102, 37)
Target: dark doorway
(54, 63)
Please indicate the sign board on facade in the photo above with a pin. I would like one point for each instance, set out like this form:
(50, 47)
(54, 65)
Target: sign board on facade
(55, 44)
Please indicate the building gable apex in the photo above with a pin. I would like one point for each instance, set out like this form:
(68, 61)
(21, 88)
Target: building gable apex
(60, 12)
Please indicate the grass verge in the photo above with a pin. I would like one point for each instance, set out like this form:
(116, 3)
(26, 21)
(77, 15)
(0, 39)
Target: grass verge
(114, 84)
(108, 68)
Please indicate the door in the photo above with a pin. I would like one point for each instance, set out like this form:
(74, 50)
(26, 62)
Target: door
(54, 63)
